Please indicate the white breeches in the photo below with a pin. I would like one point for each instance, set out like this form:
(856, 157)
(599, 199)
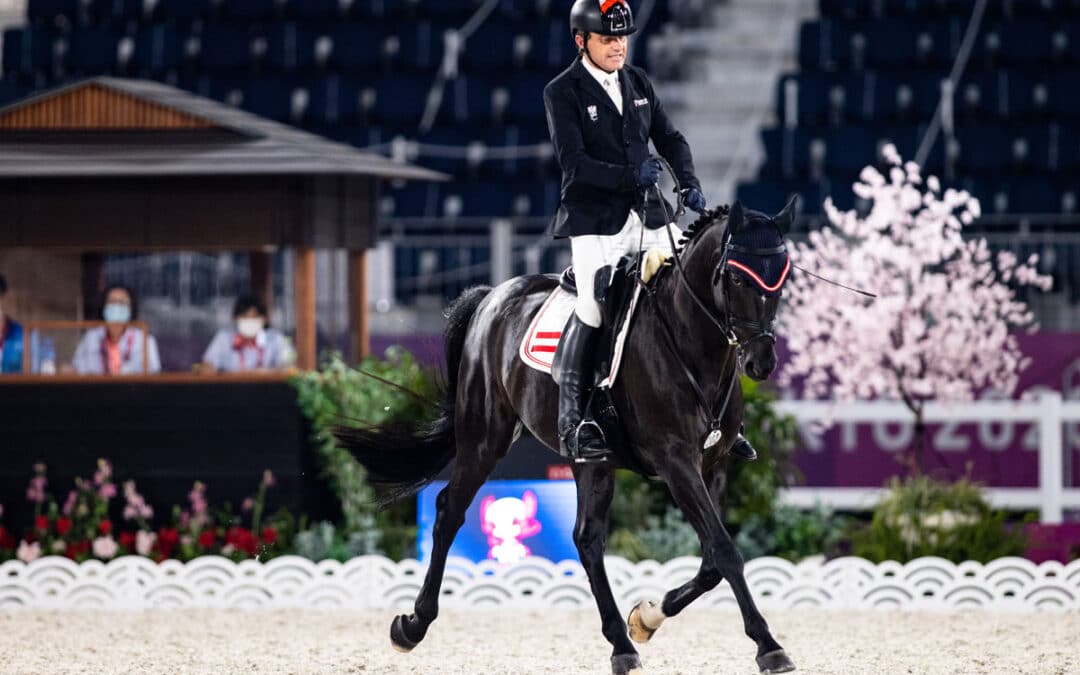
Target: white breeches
(591, 252)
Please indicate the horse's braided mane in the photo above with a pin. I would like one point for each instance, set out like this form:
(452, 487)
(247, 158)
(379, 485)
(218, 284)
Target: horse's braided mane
(707, 218)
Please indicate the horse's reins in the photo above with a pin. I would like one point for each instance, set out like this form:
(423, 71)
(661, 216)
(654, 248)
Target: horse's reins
(714, 421)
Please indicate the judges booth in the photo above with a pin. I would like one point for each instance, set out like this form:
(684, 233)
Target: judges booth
(107, 166)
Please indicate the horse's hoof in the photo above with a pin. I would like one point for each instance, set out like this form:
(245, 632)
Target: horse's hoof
(639, 630)
(401, 642)
(776, 661)
(626, 664)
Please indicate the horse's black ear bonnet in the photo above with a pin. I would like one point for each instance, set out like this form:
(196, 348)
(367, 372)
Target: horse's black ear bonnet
(757, 250)
(756, 245)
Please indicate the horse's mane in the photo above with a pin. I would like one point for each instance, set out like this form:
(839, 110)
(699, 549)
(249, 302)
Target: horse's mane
(707, 218)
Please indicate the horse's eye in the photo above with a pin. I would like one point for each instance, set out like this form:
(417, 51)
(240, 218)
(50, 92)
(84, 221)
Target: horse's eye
(736, 280)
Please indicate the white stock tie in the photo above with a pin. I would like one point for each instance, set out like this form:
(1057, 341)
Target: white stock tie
(611, 84)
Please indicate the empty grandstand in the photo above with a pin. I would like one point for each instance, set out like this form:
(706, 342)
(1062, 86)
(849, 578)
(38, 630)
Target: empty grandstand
(456, 86)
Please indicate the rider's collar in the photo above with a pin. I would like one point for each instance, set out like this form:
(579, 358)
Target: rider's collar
(598, 73)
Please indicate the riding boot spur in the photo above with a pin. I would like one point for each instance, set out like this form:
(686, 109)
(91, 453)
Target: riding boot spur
(742, 448)
(580, 437)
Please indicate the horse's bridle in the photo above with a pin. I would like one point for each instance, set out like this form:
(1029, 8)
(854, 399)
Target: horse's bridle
(762, 326)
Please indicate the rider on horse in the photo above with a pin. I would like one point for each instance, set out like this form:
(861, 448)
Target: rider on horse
(601, 114)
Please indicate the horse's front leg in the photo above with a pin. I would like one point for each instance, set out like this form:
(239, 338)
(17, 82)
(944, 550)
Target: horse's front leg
(595, 487)
(720, 560)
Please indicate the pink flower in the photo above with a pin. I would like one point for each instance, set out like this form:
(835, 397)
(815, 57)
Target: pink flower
(1, 510)
(105, 547)
(69, 504)
(107, 491)
(144, 542)
(104, 472)
(28, 552)
(35, 492)
(268, 478)
(248, 504)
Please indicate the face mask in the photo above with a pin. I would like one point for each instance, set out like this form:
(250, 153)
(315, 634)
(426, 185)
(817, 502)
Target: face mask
(117, 313)
(249, 328)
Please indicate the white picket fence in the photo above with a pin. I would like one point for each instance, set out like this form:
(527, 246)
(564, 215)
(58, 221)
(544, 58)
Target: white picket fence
(1049, 412)
(374, 582)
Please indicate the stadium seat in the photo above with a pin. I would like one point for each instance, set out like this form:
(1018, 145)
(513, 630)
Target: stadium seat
(468, 99)
(334, 100)
(1064, 95)
(290, 47)
(314, 10)
(45, 12)
(158, 49)
(242, 11)
(270, 97)
(490, 48)
(116, 12)
(526, 104)
(184, 13)
(356, 47)
(91, 51)
(226, 47)
(421, 46)
(400, 98)
(552, 49)
(27, 50)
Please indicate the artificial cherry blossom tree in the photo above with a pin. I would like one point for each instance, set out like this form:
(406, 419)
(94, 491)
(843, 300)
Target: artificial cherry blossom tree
(940, 328)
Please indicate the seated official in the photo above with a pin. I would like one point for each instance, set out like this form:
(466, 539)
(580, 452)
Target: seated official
(11, 337)
(250, 345)
(117, 348)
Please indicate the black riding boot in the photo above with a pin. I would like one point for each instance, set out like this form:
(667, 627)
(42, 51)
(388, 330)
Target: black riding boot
(742, 448)
(579, 439)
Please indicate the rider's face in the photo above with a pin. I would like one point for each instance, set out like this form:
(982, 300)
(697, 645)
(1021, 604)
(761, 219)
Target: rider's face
(607, 51)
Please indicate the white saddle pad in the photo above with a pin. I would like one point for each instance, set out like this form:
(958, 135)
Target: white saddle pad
(538, 348)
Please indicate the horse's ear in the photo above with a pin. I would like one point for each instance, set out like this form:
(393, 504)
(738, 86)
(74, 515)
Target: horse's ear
(735, 217)
(786, 218)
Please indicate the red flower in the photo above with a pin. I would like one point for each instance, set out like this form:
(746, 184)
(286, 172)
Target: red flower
(127, 540)
(206, 538)
(166, 541)
(105, 527)
(63, 525)
(77, 548)
(269, 535)
(6, 540)
(41, 523)
(242, 539)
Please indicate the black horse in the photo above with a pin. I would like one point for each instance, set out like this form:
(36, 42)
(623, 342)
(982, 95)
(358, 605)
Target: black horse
(702, 321)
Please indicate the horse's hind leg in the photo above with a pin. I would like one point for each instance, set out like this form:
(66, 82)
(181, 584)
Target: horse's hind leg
(720, 560)
(595, 487)
(481, 442)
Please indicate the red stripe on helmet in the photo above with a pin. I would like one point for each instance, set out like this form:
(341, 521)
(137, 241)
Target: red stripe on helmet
(605, 5)
(758, 280)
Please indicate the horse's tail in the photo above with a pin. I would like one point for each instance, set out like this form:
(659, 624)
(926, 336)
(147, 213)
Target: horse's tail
(404, 457)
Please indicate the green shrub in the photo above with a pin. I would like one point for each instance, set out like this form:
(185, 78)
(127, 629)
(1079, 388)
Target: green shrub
(791, 533)
(924, 517)
(339, 394)
(644, 524)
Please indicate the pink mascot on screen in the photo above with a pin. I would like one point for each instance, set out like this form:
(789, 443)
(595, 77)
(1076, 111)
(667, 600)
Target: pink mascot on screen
(506, 522)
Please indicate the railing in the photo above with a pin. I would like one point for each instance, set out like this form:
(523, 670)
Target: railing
(1049, 412)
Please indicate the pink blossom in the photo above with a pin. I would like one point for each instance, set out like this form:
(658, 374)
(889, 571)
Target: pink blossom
(69, 503)
(136, 507)
(28, 552)
(247, 505)
(940, 326)
(107, 491)
(35, 492)
(1, 510)
(268, 478)
(105, 547)
(103, 473)
(144, 542)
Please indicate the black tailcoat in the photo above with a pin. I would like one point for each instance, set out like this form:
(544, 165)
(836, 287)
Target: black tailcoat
(600, 150)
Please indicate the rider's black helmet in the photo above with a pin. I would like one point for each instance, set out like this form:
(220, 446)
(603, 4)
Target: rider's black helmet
(603, 17)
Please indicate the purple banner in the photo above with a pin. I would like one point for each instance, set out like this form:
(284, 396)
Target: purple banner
(1002, 454)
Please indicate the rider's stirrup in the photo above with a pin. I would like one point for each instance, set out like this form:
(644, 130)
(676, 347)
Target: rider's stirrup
(589, 444)
(743, 450)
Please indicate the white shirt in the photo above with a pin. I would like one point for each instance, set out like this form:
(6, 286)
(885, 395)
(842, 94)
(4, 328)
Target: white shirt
(609, 81)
